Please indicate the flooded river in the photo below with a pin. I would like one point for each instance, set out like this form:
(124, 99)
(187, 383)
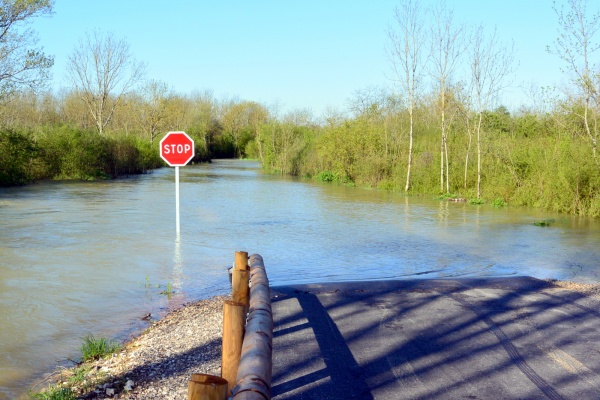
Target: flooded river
(93, 257)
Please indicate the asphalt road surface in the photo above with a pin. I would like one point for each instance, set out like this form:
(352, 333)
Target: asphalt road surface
(499, 338)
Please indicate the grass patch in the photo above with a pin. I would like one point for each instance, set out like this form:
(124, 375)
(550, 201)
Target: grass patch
(79, 375)
(96, 348)
(56, 393)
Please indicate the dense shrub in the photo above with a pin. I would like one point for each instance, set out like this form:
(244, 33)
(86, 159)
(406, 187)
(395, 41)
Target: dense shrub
(63, 152)
(19, 159)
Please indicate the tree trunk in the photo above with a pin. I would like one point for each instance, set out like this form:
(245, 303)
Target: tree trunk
(479, 155)
(447, 164)
(467, 156)
(410, 151)
(442, 150)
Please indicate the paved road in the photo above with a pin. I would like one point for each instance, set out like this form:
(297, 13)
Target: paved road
(502, 338)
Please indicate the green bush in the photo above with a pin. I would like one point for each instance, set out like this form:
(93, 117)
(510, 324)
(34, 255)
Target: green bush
(17, 154)
(327, 176)
(76, 154)
(499, 202)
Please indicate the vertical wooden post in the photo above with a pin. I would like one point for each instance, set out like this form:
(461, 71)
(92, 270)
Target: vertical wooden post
(241, 260)
(240, 286)
(207, 387)
(234, 319)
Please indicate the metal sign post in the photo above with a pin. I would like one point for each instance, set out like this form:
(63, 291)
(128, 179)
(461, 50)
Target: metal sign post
(177, 224)
(177, 149)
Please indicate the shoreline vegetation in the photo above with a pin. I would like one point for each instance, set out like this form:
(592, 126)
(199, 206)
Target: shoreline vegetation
(157, 363)
(565, 181)
(529, 159)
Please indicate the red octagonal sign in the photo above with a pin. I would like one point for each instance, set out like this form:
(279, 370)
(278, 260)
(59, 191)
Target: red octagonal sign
(177, 149)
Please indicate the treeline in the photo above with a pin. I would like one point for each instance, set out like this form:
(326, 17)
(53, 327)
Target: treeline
(538, 159)
(534, 157)
(45, 136)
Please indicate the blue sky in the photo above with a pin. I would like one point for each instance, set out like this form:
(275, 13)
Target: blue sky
(297, 54)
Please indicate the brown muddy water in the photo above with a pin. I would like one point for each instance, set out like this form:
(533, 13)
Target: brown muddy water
(93, 257)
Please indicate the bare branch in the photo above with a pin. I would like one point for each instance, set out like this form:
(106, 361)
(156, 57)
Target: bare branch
(102, 70)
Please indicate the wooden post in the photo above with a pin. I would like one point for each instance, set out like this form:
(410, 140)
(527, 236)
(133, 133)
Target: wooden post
(241, 260)
(240, 286)
(207, 387)
(234, 319)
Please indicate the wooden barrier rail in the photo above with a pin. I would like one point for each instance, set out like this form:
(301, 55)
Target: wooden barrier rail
(256, 362)
(246, 363)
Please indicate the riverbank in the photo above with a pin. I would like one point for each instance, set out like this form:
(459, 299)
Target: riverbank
(158, 363)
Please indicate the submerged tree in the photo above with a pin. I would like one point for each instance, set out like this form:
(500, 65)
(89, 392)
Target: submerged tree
(406, 54)
(21, 64)
(102, 69)
(491, 63)
(446, 49)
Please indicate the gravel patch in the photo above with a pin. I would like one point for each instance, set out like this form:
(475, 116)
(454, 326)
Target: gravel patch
(158, 363)
(588, 289)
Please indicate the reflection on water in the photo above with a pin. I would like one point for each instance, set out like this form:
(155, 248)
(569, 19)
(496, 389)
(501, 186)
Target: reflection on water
(93, 257)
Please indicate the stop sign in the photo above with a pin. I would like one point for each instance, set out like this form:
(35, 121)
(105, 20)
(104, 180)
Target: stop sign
(177, 149)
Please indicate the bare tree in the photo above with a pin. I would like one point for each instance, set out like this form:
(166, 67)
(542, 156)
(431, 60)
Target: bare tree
(575, 46)
(406, 54)
(447, 47)
(22, 65)
(102, 70)
(491, 63)
(154, 111)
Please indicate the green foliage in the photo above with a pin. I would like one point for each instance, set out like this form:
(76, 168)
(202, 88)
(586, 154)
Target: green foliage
(476, 201)
(19, 159)
(284, 147)
(528, 159)
(222, 147)
(386, 184)
(447, 196)
(499, 203)
(498, 121)
(96, 348)
(327, 176)
(56, 393)
(63, 152)
(78, 374)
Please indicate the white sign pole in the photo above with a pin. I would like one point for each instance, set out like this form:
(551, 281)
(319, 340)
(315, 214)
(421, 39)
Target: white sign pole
(177, 149)
(177, 229)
